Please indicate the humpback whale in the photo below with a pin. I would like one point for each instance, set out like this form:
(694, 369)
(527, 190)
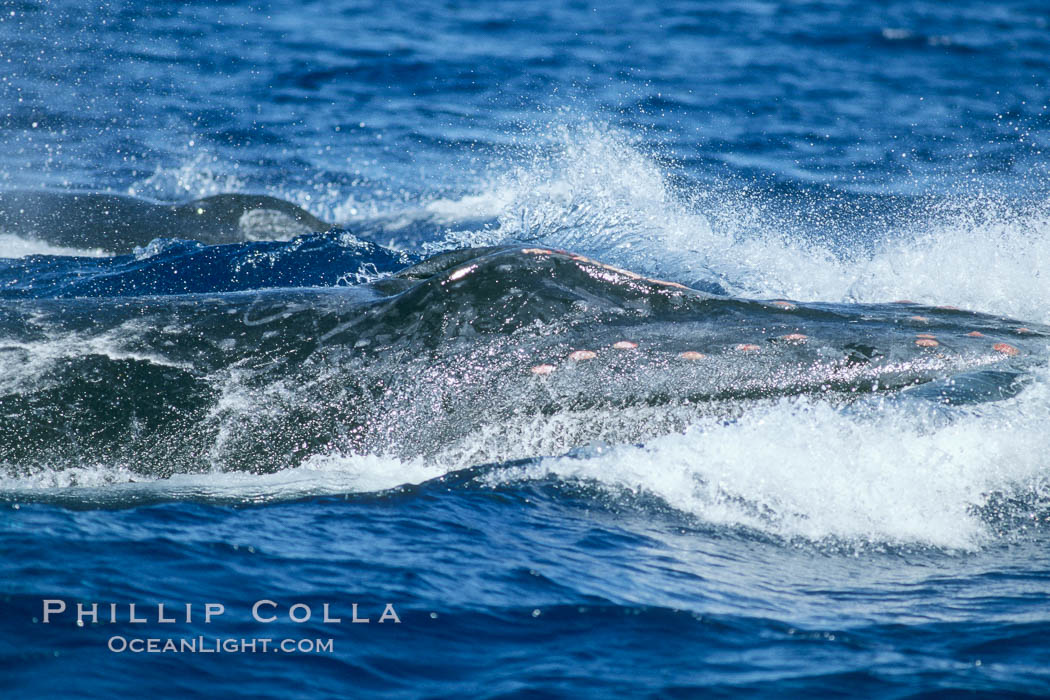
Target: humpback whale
(119, 223)
(524, 350)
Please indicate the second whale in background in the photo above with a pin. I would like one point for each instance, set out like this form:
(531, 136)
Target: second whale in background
(119, 223)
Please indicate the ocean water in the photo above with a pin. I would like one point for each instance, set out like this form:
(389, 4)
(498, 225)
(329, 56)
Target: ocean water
(595, 350)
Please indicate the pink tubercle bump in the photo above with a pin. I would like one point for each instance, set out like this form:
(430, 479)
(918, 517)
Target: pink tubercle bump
(925, 335)
(794, 338)
(919, 319)
(543, 370)
(461, 272)
(1006, 349)
(625, 345)
(692, 355)
(578, 355)
(975, 334)
(620, 271)
(665, 283)
(748, 347)
(786, 305)
(926, 342)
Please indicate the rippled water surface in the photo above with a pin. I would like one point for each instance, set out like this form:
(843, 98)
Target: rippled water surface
(605, 350)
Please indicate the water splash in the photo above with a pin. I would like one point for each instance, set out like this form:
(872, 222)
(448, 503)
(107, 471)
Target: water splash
(200, 175)
(594, 190)
(890, 473)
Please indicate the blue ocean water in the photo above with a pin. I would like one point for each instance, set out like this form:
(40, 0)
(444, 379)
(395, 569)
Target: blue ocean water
(295, 318)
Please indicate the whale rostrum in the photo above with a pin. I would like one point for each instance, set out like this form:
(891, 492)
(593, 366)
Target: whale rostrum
(501, 353)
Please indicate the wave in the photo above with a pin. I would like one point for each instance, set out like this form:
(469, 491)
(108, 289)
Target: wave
(172, 266)
(882, 473)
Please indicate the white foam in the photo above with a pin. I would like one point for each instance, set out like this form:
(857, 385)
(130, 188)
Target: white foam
(990, 264)
(333, 474)
(14, 246)
(800, 468)
(982, 255)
